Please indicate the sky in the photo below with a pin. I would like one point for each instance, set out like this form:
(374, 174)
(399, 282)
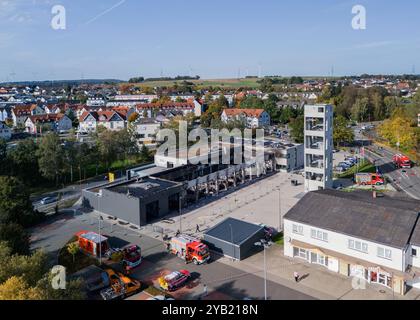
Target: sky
(120, 39)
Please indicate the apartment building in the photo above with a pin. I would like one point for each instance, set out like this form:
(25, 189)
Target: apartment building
(252, 118)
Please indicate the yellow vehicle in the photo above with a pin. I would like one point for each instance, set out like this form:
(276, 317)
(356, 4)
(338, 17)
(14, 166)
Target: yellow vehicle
(121, 286)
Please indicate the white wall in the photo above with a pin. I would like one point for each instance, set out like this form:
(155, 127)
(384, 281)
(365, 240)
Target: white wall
(339, 243)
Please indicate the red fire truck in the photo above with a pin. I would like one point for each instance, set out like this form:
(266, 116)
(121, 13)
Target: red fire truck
(189, 249)
(401, 161)
(365, 179)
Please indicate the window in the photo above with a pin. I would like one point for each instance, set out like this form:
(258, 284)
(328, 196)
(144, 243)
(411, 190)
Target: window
(358, 246)
(414, 252)
(297, 229)
(384, 253)
(319, 235)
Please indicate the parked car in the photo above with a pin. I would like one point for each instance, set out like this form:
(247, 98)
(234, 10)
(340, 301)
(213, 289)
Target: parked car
(48, 200)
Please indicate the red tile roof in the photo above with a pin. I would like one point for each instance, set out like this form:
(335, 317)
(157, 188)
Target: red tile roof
(248, 112)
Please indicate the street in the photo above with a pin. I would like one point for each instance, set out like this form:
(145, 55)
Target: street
(405, 180)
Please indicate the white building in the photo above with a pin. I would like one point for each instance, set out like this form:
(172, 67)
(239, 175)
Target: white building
(252, 118)
(375, 240)
(318, 147)
(89, 121)
(146, 130)
(52, 121)
(5, 131)
(289, 156)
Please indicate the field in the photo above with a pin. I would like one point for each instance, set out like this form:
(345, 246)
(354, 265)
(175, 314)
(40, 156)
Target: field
(227, 83)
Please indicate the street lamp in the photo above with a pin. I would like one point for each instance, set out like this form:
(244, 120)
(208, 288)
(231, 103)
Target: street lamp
(100, 239)
(280, 224)
(265, 246)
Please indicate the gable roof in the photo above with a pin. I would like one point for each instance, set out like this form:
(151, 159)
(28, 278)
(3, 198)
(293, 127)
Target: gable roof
(51, 117)
(385, 220)
(103, 116)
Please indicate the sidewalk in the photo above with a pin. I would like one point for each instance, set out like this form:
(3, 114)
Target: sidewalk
(318, 281)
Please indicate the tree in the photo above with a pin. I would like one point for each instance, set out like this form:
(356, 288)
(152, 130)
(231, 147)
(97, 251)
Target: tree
(15, 205)
(15, 236)
(133, 117)
(16, 288)
(24, 161)
(252, 102)
(360, 110)
(51, 157)
(3, 156)
(342, 133)
(297, 128)
(73, 249)
(145, 155)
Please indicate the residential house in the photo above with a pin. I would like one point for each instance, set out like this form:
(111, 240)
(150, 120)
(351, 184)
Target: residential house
(357, 234)
(21, 112)
(89, 121)
(5, 131)
(252, 118)
(150, 109)
(53, 108)
(50, 122)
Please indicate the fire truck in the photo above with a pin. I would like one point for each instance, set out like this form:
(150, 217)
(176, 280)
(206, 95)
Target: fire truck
(401, 161)
(189, 249)
(370, 179)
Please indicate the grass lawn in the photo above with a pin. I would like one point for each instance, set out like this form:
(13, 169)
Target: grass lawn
(364, 167)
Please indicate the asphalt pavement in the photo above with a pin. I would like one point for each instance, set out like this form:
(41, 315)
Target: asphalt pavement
(222, 281)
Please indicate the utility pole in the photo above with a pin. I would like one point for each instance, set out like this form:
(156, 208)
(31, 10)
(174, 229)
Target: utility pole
(280, 224)
(180, 212)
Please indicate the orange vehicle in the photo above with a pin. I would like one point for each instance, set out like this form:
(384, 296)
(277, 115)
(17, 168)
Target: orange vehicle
(121, 286)
(92, 243)
(189, 249)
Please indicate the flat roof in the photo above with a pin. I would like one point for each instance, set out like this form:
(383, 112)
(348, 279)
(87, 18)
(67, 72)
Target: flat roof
(144, 187)
(233, 231)
(385, 220)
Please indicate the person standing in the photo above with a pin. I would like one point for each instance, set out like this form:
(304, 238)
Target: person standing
(296, 275)
(197, 228)
(205, 290)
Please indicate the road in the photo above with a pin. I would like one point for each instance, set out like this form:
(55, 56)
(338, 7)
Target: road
(405, 180)
(223, 281)
(72, 192)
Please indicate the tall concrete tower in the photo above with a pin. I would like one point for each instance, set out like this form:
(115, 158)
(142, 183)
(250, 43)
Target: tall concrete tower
(318, 147)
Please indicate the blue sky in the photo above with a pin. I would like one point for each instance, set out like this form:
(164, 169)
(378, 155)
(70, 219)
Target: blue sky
(214, 39)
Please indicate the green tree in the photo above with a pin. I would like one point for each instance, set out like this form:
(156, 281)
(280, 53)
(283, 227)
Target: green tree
(51, 158)
(297, 128)
(73, 249)
(15, 205)
(360, 110)
(15, 236)
(252, 102)
(24, 161)
(145, 154)
(342, 133)
(3, 157)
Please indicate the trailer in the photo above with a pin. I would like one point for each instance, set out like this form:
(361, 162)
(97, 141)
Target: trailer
(92, 243)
